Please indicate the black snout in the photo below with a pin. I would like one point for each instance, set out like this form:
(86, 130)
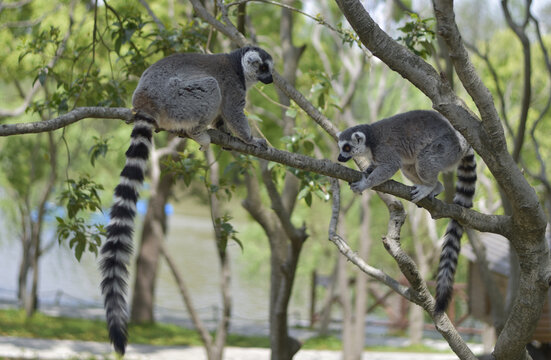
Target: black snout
(343, 158)
(266, 79)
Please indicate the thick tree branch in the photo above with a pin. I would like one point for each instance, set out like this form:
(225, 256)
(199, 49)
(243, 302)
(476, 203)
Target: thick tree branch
(293, 233)
(488, 140)
(253, 204)
(490, 223)
(493, 149)
(482, 222)
(13, 5)
(466, 72)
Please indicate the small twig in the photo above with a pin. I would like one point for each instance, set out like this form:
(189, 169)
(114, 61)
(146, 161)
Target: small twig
(317, 19)
(265, 96)
(285, 6)
(157, 21)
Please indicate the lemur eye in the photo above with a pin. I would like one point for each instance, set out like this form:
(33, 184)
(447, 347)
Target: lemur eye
(346, 148)
(263, 68)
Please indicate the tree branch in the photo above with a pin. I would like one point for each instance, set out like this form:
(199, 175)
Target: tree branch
(520, 31)
(418, 293)
(345, 249)
(65, 120)
(490, 223)
(293, 233)
(157, 21)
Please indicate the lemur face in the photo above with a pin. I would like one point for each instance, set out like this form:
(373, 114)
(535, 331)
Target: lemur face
(257, 65)
(351, 145)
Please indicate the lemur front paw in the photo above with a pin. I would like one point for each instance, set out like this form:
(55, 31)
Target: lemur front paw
(359, 186)
(420, 192)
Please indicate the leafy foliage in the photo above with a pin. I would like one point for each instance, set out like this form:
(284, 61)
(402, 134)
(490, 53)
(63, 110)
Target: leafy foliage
(310, 183)
(419, 35)
(185, 168)
(98, 149)
(240, 165)
(227, 232)
(182, 39)
(41, 42)
(24, 162)
(80, 196)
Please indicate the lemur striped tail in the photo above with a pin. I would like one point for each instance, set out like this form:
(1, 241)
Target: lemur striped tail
(464, 193)
(118, 247)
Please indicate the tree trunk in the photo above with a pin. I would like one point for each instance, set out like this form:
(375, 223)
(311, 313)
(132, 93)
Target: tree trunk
(24, 266)
(416, 324)
(284, 261)
(285, 247)
(154, 231)
(153, 234)
(360, 302)
(215, 350)
(34, 252)
(355, 307)
(346, 304)
(31, 303)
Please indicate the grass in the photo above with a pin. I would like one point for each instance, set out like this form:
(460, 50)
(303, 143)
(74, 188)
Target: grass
(15, 323)
(333, 343)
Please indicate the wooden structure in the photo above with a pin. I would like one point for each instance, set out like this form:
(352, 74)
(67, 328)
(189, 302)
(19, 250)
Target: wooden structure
(497, 256)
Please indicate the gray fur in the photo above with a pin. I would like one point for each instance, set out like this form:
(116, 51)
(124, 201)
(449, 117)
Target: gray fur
(182, 92)
(188, 92)
(422, 144)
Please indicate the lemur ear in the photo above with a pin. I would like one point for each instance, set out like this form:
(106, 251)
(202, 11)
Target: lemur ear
(339, 134)
(358, 137)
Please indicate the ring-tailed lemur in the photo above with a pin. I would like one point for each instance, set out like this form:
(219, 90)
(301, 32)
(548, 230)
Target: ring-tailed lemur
(422, 144)
(182, 92)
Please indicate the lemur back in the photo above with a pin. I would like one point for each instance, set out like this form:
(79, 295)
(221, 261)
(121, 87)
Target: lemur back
(422, 144)
(182, 92)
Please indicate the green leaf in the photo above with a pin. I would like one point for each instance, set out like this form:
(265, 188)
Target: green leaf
(79, 249)
(308, 199)
(290, 112)
(238, 243)
(42, 74)
(320, 194)
(254, 117)
(118, 43)
(308, 146)
(305, 191)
